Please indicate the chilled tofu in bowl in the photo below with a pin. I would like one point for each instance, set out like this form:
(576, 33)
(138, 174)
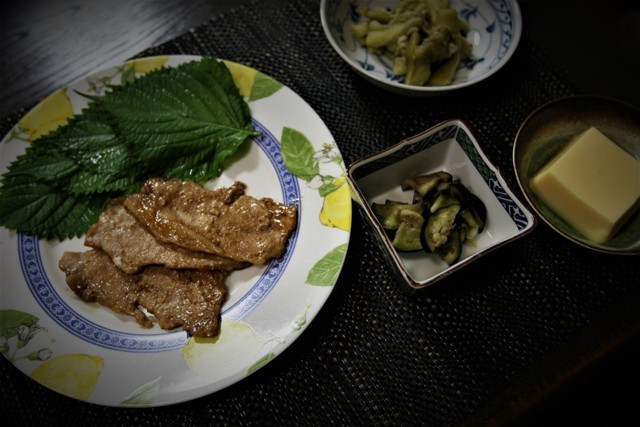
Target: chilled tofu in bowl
(577, 161)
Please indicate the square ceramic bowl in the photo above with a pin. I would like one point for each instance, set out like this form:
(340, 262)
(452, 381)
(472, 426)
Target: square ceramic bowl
(448, 147)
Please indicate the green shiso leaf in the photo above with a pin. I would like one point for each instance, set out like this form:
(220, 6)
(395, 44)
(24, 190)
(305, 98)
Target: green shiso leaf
(35, 208)
(176, 118)
(179, 123)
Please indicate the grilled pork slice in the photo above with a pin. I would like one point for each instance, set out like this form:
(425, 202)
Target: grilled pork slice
(131, 246)
(223, 221)
(188, 298)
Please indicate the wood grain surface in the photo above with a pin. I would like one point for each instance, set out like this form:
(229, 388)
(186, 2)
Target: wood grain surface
(48, 44)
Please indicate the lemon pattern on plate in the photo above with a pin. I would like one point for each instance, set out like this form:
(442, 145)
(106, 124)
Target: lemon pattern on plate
(56, 109)
(146, 65)
(77, 374)
(74, 375)
(336, 207)
(52, 112)
(251, 83)
(243, 76)
(303, 161)
(235, 338)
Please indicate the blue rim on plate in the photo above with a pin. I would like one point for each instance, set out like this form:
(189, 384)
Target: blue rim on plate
(267, 307)
(55, 306)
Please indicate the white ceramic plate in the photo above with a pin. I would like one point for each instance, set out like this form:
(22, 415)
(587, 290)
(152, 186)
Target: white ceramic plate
(449, 147)
(109, 359)
(495, 31)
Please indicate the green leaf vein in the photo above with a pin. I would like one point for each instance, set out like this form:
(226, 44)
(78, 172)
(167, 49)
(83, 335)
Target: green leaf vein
(179, 123)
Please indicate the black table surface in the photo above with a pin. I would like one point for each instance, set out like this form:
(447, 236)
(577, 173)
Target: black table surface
(529, 335)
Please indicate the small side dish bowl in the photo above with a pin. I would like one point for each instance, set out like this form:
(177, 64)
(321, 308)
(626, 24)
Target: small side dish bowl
(495, 28)
(548, 129)
(450, 147)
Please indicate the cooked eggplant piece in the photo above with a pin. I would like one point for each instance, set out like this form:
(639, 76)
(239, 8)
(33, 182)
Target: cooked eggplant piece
(443, 199)
(462, 230)
(469, 224)
(480, 214)
(407, 237)
(443, 186)
(387, 213)
(444, 214)
(451, 250)
(473, 203)
(436, 228)
(424, 184)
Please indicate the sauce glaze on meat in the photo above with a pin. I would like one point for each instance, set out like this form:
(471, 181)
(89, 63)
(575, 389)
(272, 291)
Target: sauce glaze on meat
(188, 298)
(131, 245)
(224, 221)
(168, 249)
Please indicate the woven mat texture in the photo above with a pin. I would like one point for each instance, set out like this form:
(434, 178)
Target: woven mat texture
(374, 354)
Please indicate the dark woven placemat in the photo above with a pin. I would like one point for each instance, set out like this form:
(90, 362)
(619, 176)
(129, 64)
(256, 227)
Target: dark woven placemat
(374, 354)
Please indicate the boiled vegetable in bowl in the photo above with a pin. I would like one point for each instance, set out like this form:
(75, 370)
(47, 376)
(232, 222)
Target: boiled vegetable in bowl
(442, 216)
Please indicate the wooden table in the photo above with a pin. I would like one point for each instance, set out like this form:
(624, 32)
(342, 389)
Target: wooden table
(41, 38)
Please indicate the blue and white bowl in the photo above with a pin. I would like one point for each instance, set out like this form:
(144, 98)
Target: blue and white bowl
(450, 147)
(495, 30)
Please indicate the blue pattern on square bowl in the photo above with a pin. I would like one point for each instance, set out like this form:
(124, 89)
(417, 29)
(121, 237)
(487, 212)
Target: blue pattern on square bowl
(449, 147)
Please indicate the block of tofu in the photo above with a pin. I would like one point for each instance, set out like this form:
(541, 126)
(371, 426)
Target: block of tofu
(593, 184)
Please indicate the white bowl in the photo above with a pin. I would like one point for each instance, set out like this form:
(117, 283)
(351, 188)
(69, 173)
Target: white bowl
(451, 147)
(495, 30)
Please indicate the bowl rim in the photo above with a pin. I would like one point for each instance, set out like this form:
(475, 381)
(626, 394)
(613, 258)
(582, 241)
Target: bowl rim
(424, 90)
(533, 203)
(380, 235)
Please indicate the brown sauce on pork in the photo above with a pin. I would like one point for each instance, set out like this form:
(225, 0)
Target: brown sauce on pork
(224, 221)
(168, 249)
